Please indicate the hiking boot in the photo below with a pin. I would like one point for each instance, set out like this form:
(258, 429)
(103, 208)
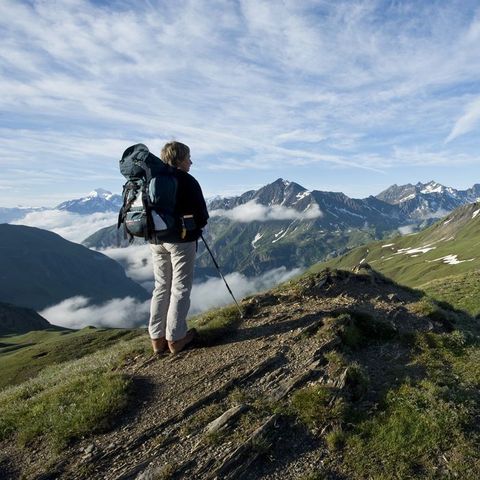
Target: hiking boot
(179, 345)
(159, 345)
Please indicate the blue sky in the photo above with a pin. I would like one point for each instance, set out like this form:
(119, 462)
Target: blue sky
(348, 96)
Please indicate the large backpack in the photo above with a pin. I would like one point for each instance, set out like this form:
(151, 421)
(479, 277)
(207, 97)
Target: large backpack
(149, 195)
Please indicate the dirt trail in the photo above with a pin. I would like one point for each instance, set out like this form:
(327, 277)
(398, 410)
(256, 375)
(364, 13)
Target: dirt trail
(277, 349)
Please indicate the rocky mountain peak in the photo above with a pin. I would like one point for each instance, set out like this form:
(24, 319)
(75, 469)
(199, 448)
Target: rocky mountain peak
(280, 192)
(430, 187)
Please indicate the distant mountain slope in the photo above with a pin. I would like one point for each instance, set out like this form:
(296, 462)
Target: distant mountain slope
(39, 268)
(11, 214)
(449, 249)
(302, 238)
(427, 200)
(109, 237)
(99, 200)
(24, 356)
(17, 320)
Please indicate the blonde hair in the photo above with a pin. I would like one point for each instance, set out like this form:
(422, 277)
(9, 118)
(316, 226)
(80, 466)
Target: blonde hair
(174, 153)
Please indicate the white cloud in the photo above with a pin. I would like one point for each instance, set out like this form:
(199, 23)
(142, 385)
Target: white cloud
(248, 85)
(467, 122)
(137, 262)
(213, 292)
(406, 229)
(252, 211)
(72, 226)
(78, 312)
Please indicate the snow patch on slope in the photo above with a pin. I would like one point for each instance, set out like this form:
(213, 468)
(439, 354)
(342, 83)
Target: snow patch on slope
(258, 236)
(413, 251)
(451, 259)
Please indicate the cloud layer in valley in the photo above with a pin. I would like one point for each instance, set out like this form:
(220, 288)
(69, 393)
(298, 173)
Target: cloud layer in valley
(253, 211)
(78, 312)
(71, 226)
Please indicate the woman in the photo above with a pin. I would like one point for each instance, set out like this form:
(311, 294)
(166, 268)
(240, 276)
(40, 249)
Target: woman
(174, 258)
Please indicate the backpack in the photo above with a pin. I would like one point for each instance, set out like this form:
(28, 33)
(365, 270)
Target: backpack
(149, 195)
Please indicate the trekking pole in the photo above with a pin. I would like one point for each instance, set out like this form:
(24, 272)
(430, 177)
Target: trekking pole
(223, 278)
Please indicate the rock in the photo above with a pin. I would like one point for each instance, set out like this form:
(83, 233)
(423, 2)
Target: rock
(89, 449)
(225, 419)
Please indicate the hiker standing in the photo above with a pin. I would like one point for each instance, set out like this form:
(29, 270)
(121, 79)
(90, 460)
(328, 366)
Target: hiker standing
(174, 258)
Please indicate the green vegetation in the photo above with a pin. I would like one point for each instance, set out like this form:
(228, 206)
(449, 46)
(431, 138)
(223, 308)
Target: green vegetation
(24, 356)
(462, 291)
(59, 386)
(395, 406)
(69, 400)
(417, 425)
(357, 329)
(425, 427)
(316, 405)
(214, 324)
(422, 260)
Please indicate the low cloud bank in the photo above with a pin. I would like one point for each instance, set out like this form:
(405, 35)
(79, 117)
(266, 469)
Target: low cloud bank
(213, 293)
(72, 226)
(78, 312)
(406, 229)
(253, 211)
(137, 262)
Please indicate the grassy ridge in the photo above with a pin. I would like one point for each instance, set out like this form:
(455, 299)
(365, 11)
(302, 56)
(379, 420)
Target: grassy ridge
(68, 400)
(418, 260)
(24, 356)
(408, 408)
(73, 386)
(462, 291)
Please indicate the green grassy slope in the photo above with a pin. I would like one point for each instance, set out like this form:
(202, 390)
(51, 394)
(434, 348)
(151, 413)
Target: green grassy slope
(24, 356)
(443, 260)
(388, 403)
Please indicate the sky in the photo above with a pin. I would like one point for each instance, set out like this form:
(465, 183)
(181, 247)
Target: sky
(335, 95)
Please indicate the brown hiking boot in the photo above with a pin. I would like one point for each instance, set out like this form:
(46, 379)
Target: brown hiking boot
(179, 345)
(159, 345)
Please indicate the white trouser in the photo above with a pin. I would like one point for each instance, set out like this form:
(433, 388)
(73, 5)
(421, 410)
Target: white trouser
(173, 270)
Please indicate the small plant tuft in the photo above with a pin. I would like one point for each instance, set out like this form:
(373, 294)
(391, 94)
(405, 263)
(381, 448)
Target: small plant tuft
(335, 439)
(214, 324)
(316, 405)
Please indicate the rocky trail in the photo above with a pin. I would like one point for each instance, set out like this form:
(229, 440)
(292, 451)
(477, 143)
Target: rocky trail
(220, 411)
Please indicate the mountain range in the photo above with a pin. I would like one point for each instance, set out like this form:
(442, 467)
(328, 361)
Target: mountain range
(97, 201)
(428, 200)
(284, 224)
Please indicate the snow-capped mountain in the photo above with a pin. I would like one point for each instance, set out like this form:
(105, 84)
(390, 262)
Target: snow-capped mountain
(428, 200)
(99, 200)
(284, 224)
